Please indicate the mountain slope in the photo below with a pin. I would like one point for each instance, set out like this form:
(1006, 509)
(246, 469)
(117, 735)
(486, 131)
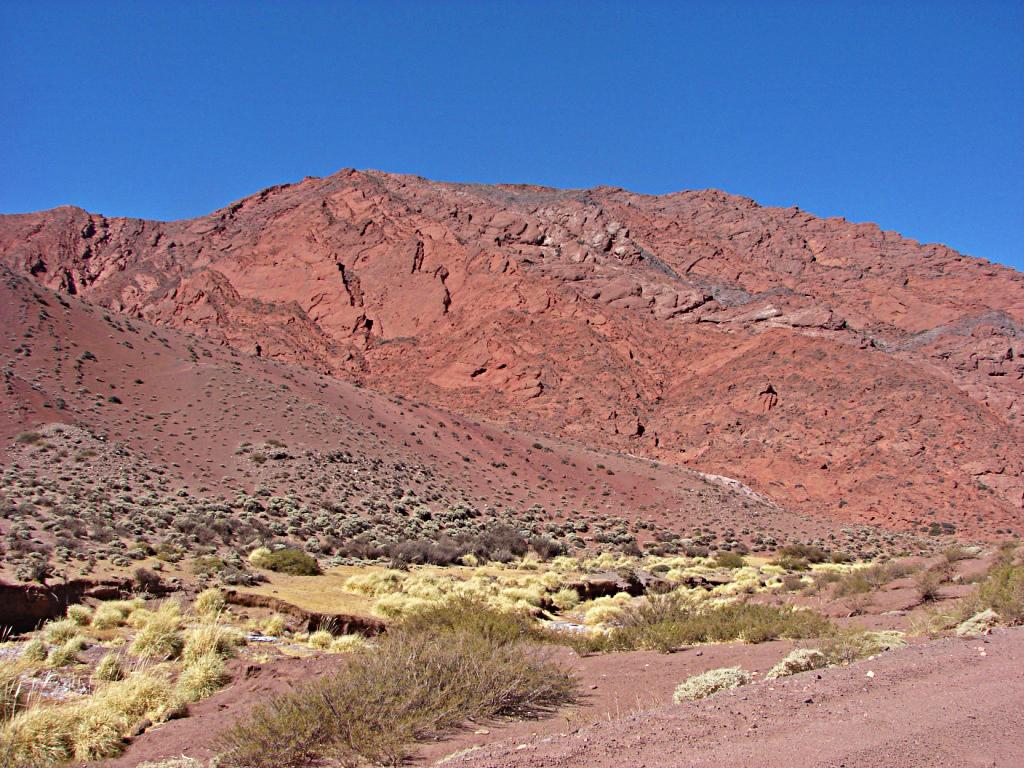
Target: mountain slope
(843, 371)
(118, 438)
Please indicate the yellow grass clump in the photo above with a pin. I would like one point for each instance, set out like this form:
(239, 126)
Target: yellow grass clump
(321, 639)
(80, 614)
(210, 602)
(273, 626)
(348, 644)
(210, 637)
(159, 637)
(60, 631)
(202, 676)
(92, 729)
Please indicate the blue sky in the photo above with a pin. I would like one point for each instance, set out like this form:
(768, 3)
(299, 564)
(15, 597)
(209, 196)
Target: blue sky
(907, 114)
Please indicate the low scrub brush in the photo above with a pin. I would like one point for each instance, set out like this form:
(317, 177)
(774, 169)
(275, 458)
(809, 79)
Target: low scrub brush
(800, 660)
(416, 683)
(710, 682)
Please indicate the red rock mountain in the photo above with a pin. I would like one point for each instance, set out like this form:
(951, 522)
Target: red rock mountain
(841, 370)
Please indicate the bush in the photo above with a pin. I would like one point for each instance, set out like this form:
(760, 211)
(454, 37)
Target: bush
(800, 660)
(844, 646)
(64, 655)
(665, 623)
(413, 685)
(60, 631)
(712, 681)
(12, 692)
(34, 651)
(321, 639)
(565, 599)
(148, 581)
(348, 644)
(108, 669)
(210, 638)
(729, 560)
(469, 616)
(1002, 591)
(110, 615)
(159, 637)
(808, 552)
(928, 583)
(274, 625)
(91, 729)
(294, 562)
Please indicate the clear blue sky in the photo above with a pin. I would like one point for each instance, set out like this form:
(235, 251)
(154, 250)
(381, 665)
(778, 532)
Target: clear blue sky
(907, 114)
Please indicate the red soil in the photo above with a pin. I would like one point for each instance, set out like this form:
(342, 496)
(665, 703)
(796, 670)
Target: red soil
(951, 702)
(845, 372)
(905, 714)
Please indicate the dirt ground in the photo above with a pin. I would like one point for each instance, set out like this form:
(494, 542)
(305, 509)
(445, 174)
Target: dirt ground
(944, 702)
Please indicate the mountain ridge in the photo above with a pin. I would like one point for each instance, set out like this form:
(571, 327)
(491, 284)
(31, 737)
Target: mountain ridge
(836, 367)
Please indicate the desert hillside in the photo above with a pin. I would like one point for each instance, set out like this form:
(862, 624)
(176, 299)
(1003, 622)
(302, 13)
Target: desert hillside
(841, 371)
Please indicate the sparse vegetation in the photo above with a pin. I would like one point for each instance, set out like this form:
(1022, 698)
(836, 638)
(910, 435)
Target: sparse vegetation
(291, 561)
(667, 622)
(707, 683)
(415, 683)
(799, 660)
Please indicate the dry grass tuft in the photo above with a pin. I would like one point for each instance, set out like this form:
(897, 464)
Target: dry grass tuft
(210, 602)
(159, 637)
(202, 676)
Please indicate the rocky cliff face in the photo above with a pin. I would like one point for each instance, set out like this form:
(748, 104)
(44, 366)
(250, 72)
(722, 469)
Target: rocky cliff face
(839, 369)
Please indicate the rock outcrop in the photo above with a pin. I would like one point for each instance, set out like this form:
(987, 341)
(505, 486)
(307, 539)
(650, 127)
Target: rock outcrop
(833, 367)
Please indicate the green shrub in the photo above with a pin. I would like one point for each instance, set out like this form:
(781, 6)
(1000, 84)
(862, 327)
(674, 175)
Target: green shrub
(1002, 591)
(294, 562)
(729, 560)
